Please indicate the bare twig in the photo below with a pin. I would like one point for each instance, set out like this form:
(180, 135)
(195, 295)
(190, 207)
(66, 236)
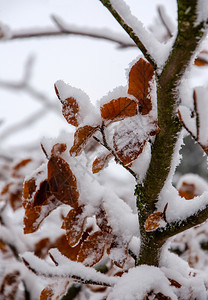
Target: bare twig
(66, 29)
(163, 19)
(105, 144)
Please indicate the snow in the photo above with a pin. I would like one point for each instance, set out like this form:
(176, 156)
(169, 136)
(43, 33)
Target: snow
(87, 112)
(65, 268)
(157, 50)
(139, 281)
(202, 12)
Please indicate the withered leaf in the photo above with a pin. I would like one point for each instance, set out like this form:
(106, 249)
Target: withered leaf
(28, 190)
(58, 149)
(118, 252)
(118, 109)
(74, 225)
(101, 162)
(62, 182)
(42, 247)
(130, 150)
(92, 249)
(71, 252)
(202, 59)
(34, 216)
(175, 283)
(81, 137)
(70, 109)
(12, 193)
(55, 290)
(187, 190)
(19, 166)
(153, 221)
(102, 221)
(9, 285)
(140, 77)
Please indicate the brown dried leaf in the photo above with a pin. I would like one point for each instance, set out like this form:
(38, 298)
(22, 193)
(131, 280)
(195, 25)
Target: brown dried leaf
(92, 249)
(187, 190)
(81, 137)
(118, 109)
(131, 150)
(118, 252)
(28, 190)
(71, 252)
(62, 182)
(42, 247)
(102, 221)
(140, 77)
(74, 225)
(58, 149)
(202, 59)
(153, 221)
(12, 193)
(70, 109)
(19, 166)
(34, 216)
(55, 290)
(175, 283)
(9, 285)
(101, 162)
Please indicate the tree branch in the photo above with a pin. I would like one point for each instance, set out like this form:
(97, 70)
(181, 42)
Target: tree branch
(69, 269)
(184, 47)
(130, 32)
(63, 29)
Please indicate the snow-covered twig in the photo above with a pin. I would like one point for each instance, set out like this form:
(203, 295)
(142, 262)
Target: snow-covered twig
(66, 269)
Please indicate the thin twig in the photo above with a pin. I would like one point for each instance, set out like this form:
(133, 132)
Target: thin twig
(163, 20)
(130, 32)
(105, 144)
(74, 277)
(66, 30)
(197, 114)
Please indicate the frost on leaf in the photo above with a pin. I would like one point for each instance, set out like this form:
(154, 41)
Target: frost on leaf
(74, 225)
(187, 190)
(92, 249)
(154, 221)
(140, 77)
(118, 109)
(70, 109)
(101, 162)
(55, 290)
(35, 215)
(81, 137)
(202, 59)
(62, 182)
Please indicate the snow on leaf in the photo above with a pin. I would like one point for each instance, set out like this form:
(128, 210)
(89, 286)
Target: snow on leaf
(118, 109)
(58, 149)
(118, 252)
(9, 285)
(55, 290)
(62, 182)
(34, 216)
(187, 190)
(140, 77)
(130, 151)
(101, 162)
(153, 221)
(74, 225)
(63, 246)
(81, 137)
(92, 250)
(102, 221)
(70, 108)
